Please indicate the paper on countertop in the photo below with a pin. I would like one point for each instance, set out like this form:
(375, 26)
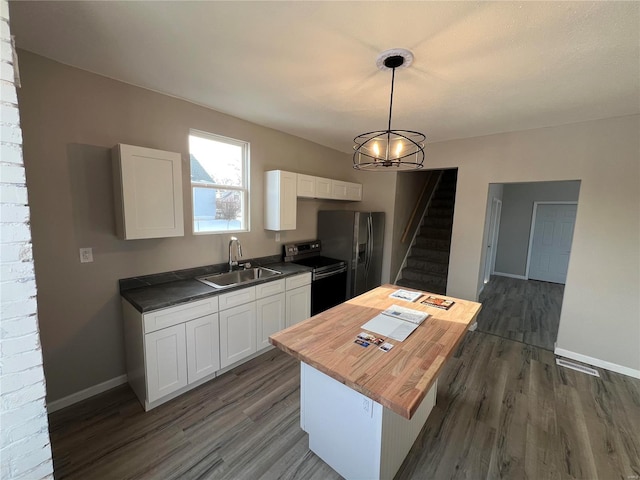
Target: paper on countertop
(407, 314)
(396, 322)
(390, 327)
(408, 295)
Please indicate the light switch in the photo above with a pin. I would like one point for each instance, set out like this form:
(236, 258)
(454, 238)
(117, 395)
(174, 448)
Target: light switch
(86, 255)
(277, 236)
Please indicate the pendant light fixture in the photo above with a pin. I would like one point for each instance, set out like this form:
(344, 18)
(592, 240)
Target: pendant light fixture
(390, 150)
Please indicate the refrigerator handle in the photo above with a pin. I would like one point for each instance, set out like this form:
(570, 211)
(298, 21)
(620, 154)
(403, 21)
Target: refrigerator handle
(369, 244)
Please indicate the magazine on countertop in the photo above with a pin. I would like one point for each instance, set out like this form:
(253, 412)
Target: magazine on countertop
(437, 302)
(396, 322)
(408, 295)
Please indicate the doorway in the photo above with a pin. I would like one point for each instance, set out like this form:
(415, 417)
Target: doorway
(494, 228)
(529, 230)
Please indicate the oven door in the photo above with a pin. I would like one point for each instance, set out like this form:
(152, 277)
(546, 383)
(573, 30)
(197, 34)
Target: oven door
(328, 289)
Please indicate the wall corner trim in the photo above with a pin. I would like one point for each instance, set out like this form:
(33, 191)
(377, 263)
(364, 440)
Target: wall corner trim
(614, 367)
(86, 393)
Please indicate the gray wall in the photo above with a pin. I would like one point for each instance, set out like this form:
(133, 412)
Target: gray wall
(515, 222)
(603, 155)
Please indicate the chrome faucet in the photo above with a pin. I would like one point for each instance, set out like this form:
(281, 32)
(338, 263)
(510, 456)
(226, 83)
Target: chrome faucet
(233, 263)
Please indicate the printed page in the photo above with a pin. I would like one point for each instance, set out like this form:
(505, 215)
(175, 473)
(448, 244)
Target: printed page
(390, 327)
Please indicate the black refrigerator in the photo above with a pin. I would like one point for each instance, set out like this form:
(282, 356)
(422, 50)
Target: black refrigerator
(355, 237)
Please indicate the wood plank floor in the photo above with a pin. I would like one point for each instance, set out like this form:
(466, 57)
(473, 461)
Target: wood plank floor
(527, 311)
(504, 410)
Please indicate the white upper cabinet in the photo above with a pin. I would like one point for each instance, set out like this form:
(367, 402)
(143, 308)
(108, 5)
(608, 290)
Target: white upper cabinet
(354, 191)
(282, 190)
(306, 186)
(346, 190)
(314, 187)
(147, 192)
(323, 187)
(280, 200)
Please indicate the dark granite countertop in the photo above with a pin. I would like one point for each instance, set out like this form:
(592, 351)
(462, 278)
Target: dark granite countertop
(163, 290)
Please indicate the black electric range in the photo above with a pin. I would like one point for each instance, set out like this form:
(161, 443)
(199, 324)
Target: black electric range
(328, 277)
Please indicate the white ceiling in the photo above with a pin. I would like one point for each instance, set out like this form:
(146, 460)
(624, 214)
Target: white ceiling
(308, 68)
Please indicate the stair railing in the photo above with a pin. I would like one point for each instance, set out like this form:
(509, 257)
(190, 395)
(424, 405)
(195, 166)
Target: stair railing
(431, 187)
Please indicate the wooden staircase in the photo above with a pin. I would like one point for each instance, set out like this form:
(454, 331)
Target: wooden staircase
(428, 261)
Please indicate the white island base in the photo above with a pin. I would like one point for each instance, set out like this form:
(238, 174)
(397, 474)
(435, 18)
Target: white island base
(356, 436)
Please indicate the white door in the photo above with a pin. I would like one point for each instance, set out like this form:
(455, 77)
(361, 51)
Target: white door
(494, 224)
(550, 248)
(166, 361)
(269, 318)
(203, 347)
(237, 333)
(298, 305)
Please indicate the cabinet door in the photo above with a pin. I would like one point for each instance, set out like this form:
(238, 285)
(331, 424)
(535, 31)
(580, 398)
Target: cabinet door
(166, 361)
(237, 333)
(306, 186)
(148, 192)
(354, 191)
(280, 200)
(323, 187)
(338, 190)
(270, 314)
(203, 347)
(298, 305)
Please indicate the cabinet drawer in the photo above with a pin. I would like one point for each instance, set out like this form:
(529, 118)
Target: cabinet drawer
(237, 297)
(269, 288)
(179, 314)
(298, 280)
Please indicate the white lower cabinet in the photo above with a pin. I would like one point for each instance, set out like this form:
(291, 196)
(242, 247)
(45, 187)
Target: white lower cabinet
(270, 318)
(237, 333)
(203, 346)
(166, 360)
(298, 299)
(171, 350)
(298, 305)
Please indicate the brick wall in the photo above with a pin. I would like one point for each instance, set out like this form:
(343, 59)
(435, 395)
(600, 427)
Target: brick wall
(25, 451)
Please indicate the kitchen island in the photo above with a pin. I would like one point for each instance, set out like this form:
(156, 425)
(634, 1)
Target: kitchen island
(363, 407)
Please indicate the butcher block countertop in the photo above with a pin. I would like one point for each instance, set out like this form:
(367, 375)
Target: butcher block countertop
(398, 379)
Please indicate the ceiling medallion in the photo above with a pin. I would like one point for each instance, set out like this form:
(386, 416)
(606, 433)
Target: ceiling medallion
(381, 149)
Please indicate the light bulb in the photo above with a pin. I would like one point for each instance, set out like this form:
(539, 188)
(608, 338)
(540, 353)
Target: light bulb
(398, 149)
(376, 150)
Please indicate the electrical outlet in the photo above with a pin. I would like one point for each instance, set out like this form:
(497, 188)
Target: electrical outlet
(277, 236)
(86, 255)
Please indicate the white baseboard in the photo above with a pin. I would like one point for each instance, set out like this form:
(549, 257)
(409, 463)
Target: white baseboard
(510, 275)
(614, 367)
(86, 393)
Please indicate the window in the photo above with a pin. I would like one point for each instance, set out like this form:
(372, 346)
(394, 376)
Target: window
(219, 183)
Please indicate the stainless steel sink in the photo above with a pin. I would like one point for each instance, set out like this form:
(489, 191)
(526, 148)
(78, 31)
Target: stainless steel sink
(238, 277)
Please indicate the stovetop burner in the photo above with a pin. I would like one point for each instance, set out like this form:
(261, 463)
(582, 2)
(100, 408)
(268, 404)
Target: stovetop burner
(319, 262)
(308, 254)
